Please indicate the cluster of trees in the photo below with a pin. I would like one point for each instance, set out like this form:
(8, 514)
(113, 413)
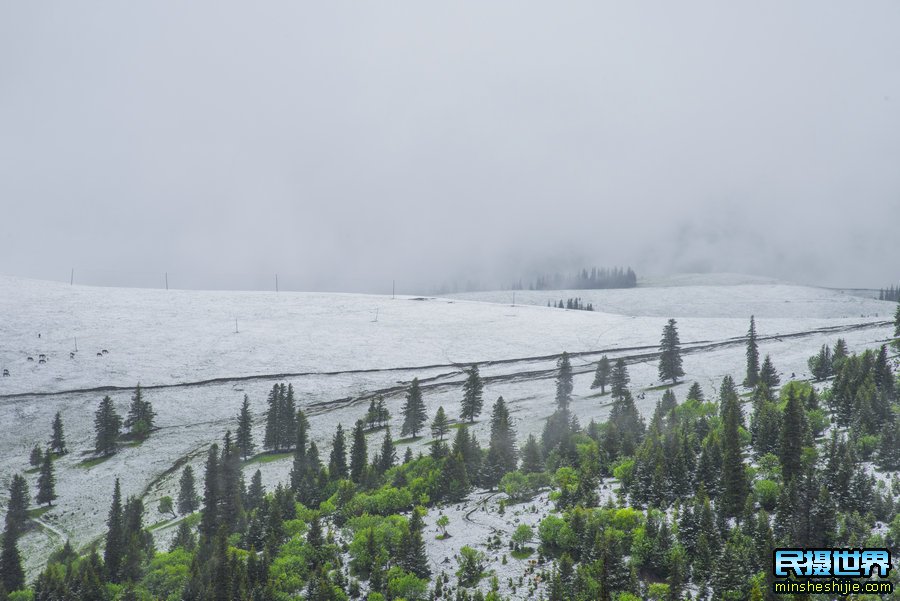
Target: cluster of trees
(587, 279)
(572, 303)
(140, 422)
(890, 294)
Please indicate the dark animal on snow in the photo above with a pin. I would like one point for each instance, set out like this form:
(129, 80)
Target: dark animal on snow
(31, 358)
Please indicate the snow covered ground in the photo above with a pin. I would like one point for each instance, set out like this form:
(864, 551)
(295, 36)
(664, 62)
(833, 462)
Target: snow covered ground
(340, 349)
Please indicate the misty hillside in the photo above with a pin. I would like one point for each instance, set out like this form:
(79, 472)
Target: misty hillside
(339, 351)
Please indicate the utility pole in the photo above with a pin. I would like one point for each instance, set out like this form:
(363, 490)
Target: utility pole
(76, 343)
(393, 288)
(235, 325)
(167, 280)
(276, 283)
(72, 277)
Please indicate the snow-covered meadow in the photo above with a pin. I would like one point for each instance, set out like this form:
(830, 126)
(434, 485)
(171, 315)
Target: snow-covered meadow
(338, 350)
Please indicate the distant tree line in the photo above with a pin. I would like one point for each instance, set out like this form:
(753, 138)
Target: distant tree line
(890, 294)
(595, 278)
(572, 303)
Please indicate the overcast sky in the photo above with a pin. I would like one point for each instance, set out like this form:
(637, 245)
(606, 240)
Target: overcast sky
(344, 144)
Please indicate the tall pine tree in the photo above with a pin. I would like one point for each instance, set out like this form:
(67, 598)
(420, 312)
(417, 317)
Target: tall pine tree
(734, 476)
(46, 481)
(58, 437)
(670, 354)
(115, 536)
(107, 425)
(601, 376)
(244, 434)
(619, 379)
(472, 395)
(768, 375)
(414, 416)
(752, 377)
(209, 522)
(187, 492)
(140, 415)
(563, 382)
(440, 426)
(337, 462)
(358, 453)
(502, 455)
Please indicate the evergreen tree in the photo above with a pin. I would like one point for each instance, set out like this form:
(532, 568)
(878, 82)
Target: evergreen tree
(37, 456)
(821, 365)
(107, 426)
(371, 419)
(889, 447)
(287, 416)
(115, 536)
(244, 434)
(502, 455)
(793, 433)
(413, 558)
(58, 438)
(256, 492)
(337, 462)
(768, 375)
(46, 481)
(696, 393)
(668, 403)
(388, 455)
(670, 354)
(839, 353)
(472, 395)
(752, 356)
(414, 416)
(601, 376)
(384, 416)
(231, 504)
(897, 327)
(359, 456)
(209, 522)
(619, 379)
(12, 576)
(272, 438)
(187, 492)
(626, 424)
(532, 459)
(440, 426)
(454, 478)
(17, 507)
(734, 475)
(883, 376)
(563, 382)
(140, 415)
(728, 393)
(184, 538)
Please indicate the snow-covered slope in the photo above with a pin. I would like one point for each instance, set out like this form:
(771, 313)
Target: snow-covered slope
(340, 349)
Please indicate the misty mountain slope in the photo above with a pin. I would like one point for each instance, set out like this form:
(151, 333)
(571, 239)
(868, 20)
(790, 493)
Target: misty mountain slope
(159, 337)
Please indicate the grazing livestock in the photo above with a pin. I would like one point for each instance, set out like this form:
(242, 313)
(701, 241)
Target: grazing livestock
(42, 361)
(5, 373)
(105, 352)
(99, 354)
(31, 358)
